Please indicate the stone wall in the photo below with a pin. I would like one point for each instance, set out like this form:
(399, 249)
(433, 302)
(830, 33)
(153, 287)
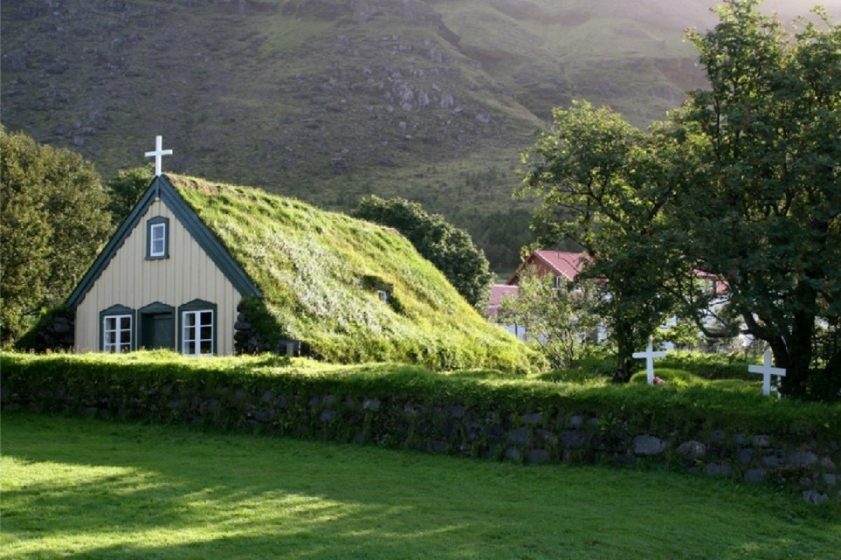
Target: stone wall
(557, 433)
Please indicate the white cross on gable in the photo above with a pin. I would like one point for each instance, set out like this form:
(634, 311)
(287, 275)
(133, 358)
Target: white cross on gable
(649, 356)
(767, 371)
(158, 154)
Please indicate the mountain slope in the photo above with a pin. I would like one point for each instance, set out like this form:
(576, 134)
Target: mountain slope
(332, 99)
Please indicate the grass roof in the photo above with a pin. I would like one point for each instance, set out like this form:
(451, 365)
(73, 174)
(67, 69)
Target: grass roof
(319, 273)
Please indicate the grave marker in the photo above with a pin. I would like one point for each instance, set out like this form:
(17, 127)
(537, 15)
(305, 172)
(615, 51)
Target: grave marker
(649, 356)
(767, 371)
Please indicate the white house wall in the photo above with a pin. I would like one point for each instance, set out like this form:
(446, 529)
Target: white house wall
(133, 281)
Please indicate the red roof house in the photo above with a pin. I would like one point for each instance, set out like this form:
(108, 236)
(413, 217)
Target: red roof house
(561, 264)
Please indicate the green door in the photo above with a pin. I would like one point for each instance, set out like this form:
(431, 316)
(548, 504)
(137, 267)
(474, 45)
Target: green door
(158, 331)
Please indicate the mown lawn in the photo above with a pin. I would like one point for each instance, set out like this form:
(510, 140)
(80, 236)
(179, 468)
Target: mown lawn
(93, 489)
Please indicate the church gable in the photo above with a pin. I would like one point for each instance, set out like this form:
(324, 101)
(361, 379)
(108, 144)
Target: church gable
(142, 289)
(161, 194)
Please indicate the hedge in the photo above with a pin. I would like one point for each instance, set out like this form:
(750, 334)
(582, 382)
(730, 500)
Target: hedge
(144, 385)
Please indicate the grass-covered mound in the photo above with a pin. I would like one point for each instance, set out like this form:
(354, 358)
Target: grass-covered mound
(320, 273)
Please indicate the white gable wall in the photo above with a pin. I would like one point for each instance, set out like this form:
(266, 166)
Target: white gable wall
(133, 281)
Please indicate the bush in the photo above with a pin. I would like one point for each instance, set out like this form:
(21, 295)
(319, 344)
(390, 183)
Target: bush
(709, 366)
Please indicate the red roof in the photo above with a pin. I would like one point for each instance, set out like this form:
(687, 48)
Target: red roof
(566, 264)
(499, 291)
(560, 263)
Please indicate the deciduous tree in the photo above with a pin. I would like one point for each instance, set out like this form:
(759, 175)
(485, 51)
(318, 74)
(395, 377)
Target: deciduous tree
(125, 189)
(52, 221)
(560, 321)
(763, 209)
(602, 184)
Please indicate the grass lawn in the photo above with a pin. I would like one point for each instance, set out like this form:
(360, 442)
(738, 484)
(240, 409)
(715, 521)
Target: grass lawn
(93, 489)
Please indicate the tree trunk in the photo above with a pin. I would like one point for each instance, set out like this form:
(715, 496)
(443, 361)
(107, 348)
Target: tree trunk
(625, 349)
(799, 343)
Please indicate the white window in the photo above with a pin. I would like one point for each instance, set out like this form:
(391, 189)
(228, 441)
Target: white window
(197, 333)
(116, 333)
(558, 282)
(157, 240)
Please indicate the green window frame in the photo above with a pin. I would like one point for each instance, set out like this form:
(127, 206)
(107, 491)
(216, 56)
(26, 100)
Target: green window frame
(197, 332)
(157, 238)
(117, 329)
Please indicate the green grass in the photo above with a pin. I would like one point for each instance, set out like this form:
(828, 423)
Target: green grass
(600, 366)
(90, 489)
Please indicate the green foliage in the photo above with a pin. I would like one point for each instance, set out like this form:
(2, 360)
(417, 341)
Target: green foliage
(41, 337)
(759, 201)
(315, 270)
(741, 183)
(684, 333)
(447, 247)
(709, 365)
(559, 321)
(725, 404)
(125, 189)
(598, 367)
(601, 183)
(54, 221)
(265, 334)
(25, 233)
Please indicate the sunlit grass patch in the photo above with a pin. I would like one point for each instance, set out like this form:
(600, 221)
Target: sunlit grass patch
(97, 490)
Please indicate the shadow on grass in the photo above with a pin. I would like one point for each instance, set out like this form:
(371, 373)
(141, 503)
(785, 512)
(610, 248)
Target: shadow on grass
(90, 489)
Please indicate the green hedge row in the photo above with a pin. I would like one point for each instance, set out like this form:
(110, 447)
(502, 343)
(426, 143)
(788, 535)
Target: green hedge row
(162, 387)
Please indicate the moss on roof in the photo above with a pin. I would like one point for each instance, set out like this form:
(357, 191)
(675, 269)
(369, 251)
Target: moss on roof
(319, 273)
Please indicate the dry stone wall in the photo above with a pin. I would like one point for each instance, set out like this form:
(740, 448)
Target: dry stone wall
(555, 433)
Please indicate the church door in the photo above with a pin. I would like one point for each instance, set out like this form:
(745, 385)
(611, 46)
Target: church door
(157, 330)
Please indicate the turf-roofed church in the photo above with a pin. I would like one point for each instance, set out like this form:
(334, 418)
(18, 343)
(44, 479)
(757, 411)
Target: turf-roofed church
(164, 280)
(204, 268)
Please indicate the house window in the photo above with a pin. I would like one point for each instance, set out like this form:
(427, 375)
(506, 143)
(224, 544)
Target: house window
(157, 238)
(197, 332)
(116, 333)
(558, 282)
(197, 335)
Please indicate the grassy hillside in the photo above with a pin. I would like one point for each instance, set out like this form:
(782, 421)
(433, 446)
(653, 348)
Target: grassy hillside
(431, 100)
(319, 273)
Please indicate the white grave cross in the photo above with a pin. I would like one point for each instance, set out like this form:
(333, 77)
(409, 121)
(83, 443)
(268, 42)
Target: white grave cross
(649, 356)
(767, 371)
(158, 154)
